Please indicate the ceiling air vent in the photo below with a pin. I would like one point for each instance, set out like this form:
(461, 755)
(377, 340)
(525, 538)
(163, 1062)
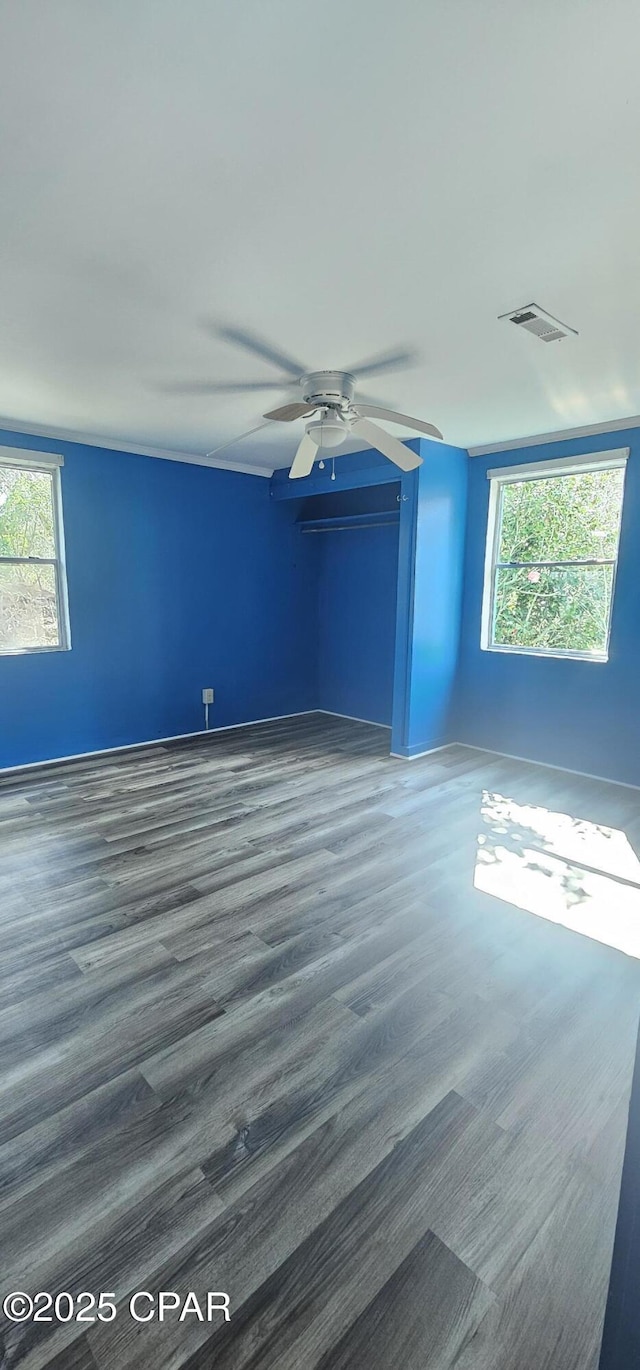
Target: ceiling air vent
(534, 319)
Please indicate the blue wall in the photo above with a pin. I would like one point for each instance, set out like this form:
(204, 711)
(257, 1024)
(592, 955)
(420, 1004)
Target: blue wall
(435, 598)
(579, 714)
(357, 585)
(179, 577)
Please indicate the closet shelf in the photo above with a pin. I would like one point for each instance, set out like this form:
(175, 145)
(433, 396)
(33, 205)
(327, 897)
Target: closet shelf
(339, 523)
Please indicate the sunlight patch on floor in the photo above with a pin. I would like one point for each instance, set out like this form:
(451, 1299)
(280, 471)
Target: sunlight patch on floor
(562, 868)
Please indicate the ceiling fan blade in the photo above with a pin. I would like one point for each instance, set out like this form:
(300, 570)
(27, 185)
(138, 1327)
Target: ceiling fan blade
(214, 451)
(251, 342)
(386, 361)
(375, 411)
(220, 388)
(288, 412)
(383, 442)
(305, 456)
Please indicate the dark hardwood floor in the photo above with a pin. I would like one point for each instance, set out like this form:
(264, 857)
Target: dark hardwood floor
(280, 1018)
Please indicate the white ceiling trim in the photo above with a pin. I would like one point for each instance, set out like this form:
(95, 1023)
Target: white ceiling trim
(135, 448)
(561, 435)
(200, 459)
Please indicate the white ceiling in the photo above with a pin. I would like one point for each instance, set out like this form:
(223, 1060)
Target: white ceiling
(340, 178)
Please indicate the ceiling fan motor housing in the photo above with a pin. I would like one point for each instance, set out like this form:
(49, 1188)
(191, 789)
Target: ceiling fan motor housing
(335, 389)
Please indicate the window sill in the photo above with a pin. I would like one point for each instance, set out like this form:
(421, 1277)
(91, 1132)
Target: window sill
(601, 658)
(34, 651)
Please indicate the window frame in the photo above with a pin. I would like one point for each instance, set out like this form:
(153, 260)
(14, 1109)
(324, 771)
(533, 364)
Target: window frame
(50, 464)
(498, 478)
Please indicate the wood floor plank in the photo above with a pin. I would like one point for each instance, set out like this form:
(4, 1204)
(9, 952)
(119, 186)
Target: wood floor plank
(113, 1255)
(32, 1159)
(266, 1025)
(287, 1001)
(54, 1075)
(552, 1310)
(300, 1196)
(75, 1357)
(299, 1314)
(422, 1318)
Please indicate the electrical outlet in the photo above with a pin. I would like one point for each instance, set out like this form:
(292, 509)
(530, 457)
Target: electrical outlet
(207, 696)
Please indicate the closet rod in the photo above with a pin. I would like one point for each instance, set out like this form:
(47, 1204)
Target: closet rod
(350, 527)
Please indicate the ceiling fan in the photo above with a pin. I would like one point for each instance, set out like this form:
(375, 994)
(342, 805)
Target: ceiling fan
(328, 399)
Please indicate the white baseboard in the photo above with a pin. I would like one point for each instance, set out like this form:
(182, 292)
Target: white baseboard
(8, 771)
(398, 756)
(549, 765)
(151, 742)
(353, 718)
(511, 756)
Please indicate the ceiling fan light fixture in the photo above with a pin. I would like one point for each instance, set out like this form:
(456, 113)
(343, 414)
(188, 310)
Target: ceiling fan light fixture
(332, 396)
(329, 431)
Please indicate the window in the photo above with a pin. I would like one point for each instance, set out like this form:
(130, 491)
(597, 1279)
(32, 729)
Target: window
(552, 549)
(33, 593)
